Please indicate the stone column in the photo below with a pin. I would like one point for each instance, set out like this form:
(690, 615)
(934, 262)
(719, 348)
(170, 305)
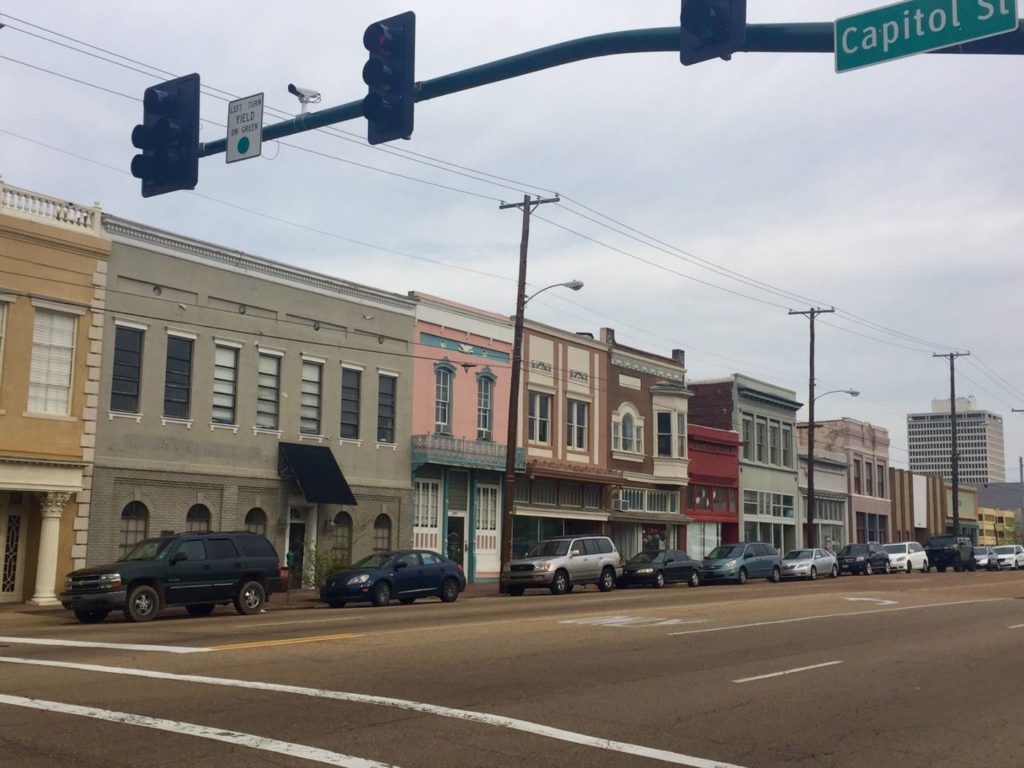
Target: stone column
(49, 536)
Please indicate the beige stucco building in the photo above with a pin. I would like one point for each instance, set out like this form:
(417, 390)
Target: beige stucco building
(53, 263)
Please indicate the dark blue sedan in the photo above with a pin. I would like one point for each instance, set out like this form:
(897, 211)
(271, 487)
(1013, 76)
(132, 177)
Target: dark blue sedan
(405, 575)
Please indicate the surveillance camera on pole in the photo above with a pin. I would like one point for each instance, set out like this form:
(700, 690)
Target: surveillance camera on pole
(306, 96)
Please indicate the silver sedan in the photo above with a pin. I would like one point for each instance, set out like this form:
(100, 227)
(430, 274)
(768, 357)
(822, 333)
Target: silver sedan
(809, 564)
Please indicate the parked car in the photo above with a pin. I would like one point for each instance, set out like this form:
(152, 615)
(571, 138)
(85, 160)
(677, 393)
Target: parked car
(657, 568)
(986, 557)
(742, 561)
(196, 570)
(407, 575)
(1011, 556)
(863, 558)
(907, 556)
(809, 564)
(946, 550)
(562, 562)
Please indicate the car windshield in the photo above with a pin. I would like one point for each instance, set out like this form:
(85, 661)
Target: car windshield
(1005, 550)
(549, 548)
(149, 549)
(376, 560)
(895, 549)
(730, 550)
(647, 557)
(800, 554)
(855, 549)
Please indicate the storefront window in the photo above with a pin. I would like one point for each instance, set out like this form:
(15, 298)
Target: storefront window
(654, 537)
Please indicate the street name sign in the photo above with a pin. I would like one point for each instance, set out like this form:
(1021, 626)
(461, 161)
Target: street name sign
(917, 26)
(245, 128)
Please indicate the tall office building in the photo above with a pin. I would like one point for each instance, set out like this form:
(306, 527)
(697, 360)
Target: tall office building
(979, 437)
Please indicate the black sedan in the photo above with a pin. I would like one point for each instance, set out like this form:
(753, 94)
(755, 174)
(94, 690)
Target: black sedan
(405, 575)
(656, 568)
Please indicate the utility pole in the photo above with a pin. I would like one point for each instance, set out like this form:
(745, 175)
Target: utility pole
(809, 537)
(954, 448)
(508, 499)
(1020, 459)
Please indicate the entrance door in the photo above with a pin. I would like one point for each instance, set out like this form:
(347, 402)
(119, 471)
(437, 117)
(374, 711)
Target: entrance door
(13, 531)
(296, 553)
(456, 543)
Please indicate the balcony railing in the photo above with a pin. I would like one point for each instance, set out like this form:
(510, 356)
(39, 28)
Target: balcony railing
(31, 205)
(460, 452)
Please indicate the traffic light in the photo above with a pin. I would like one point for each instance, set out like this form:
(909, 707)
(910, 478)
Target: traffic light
(168, 137)
(390, 74)
(711, 28)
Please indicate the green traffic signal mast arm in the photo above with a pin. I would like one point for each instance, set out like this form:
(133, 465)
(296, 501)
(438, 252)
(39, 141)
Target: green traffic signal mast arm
(814, 37)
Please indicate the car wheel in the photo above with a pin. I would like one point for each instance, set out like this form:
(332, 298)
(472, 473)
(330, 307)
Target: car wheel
(204, 609)
(336, 603)
(560, 584)
(814, 573)
(659, 580)
(143, 603)
(607, 581)
(91, 616)
(910, 567)
(516, 591)
(449, 591)
(940, 568)
(742, 578)
(835, 572)
(694, 580)
(381, 594)
(927, 567)
(776, 576)
(407, 600)
(250, 597)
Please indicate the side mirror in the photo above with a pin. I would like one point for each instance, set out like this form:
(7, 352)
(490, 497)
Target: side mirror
(178, 557)
(576, 553)
(401, 564)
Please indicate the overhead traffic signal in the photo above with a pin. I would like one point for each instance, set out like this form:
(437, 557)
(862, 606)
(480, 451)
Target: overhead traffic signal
(168, 137)
(711, 29)
(390, 73)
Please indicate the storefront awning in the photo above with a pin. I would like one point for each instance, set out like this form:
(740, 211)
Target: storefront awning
(313, 467)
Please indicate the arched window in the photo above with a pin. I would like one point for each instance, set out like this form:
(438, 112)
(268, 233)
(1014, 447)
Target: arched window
(134, 523)
(342, 544)
(256, 521)
(627, 430)
(444, 373)
(197, 520)
(628, 438)
(382, 533)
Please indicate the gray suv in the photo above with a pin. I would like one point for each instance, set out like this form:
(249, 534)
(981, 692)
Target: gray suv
(562, 562)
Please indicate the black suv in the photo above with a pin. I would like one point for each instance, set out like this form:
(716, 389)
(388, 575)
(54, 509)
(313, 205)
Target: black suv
(196, 570)
(949, 551)
(863, 558)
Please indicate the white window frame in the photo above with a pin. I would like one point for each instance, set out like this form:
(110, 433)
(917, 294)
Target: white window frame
(34, 406)
(484, 407)
(538, 425)
(311, 410)
(444, 384)
(426, 512)
(278, 357)
(487, 498)
(577, 437)
(636, 446)
(235, 348)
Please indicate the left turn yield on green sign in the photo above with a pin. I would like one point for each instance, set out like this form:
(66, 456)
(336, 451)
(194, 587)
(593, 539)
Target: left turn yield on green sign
(245, 128)
(918, 26)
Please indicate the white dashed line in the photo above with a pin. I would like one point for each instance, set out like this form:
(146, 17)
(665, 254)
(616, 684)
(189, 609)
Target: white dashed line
(631, 621)
(786, 672)
(109, 646)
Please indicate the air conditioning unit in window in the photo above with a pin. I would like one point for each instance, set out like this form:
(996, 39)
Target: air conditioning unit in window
(620, 505)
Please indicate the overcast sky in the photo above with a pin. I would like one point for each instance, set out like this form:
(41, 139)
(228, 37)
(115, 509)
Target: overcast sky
(891, 193)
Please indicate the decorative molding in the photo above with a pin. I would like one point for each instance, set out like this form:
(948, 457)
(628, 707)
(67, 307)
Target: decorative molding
(450, 345)
(632, 364)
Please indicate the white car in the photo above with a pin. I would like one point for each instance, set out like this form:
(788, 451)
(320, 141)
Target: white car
(907, 556)
(1011, 556)
(809, 564)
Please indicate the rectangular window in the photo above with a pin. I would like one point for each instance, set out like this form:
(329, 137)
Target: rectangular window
(748, 437)
(225, 384)
(633, 498)
(178, 378)
(312, 397)
(443, 401)
(576, 434)
(268, 392)
(773, 443)
(428, 502)
(856, 478)
(544, 492)
(664, 433)
(762, 440)
(787, 445)
(750, 504)
(592, 497)
(570, 495)
(869, 486)
(386, 398)
(539, 418)
(487, 507)
(662, 501)
(53, 350)
(484, 408)
(3, 317)
(522, 490)
(127, 373)
(350, 384)
(681, 435)
(881, 481)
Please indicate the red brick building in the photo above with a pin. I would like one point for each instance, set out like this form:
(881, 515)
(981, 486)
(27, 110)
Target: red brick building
(713, 494)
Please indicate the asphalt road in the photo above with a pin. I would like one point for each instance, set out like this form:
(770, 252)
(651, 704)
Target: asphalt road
(910, 670)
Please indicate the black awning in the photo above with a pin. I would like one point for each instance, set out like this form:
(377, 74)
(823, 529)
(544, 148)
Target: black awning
(313, 467)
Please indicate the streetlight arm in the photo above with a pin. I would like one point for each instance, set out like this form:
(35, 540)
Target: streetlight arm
(573, 285)
(850, 392)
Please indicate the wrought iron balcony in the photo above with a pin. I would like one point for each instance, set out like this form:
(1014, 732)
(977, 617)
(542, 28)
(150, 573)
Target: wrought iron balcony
(460, 452)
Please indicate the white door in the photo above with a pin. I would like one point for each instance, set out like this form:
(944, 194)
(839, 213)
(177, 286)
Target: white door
(13, 530)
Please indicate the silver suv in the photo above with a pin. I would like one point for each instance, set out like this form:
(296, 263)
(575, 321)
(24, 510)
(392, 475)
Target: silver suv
(562, 562)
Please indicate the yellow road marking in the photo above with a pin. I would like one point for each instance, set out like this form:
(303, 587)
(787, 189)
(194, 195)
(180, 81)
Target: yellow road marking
(288, 641)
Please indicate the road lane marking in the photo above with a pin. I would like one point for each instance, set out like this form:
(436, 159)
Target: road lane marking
(835, 615)
(191, 729)
(786, 672)
(109, 646)
(631, 621)
(878, 600)
(1016, 626)
(483, 718)
(300, 621)
(285, 641)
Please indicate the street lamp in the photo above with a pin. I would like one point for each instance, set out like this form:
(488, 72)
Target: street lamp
(809, 522)
(513, 411)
